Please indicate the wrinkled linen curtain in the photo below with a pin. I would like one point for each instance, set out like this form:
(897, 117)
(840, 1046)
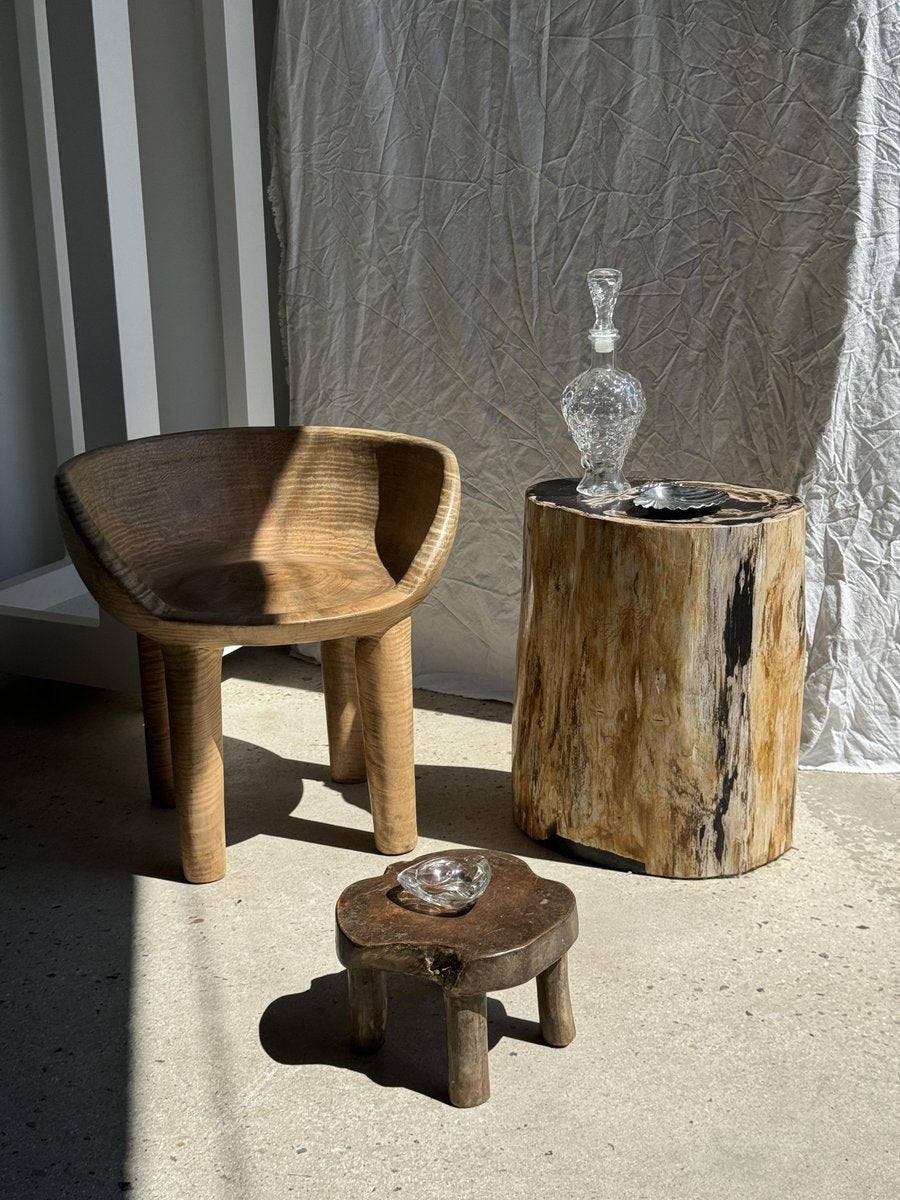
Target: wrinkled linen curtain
(445, 174)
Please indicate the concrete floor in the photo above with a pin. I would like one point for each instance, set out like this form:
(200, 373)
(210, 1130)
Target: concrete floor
(736, 1038)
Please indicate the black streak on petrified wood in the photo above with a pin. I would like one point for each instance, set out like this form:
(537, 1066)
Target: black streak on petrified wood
(659, 680)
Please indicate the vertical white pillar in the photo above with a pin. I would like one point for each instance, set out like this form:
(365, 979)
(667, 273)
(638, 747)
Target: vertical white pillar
(237, 190)
(118, 123)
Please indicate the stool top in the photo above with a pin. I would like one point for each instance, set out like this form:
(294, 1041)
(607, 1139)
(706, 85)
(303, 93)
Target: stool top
(744, 505)
(521, 925)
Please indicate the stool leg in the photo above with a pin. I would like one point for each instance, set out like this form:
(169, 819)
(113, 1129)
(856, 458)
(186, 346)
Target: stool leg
(194, 690)
(467, 1049)
(554, 1005)
(384, 672)
(156, 722)
(368, 1008)
(345, 737)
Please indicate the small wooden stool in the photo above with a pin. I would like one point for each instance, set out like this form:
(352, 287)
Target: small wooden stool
(519, 929)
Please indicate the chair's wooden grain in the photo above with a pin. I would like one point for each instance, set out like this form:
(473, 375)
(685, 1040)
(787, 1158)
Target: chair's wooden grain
(156, 722)
(346, 752)
(384, 675)
(237, 505)
(521, 928)
(194, 692)
(266, 537)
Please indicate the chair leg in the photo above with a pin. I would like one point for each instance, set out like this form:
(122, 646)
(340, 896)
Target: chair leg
(345, 736)
(554, 1005)
(156, 722)
(467, 1049)
(194, 689)
(384, 674)
(368, 1008)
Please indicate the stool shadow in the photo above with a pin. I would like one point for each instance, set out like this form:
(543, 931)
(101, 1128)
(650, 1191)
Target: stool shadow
(313, 1028)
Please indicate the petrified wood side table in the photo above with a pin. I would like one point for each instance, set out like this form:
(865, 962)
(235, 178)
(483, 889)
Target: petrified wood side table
(660, 679)
(521, 928)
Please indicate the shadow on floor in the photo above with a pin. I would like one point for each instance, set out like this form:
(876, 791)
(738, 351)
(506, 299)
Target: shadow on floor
(73, 822)
(77, 826)
(312, 1027)
(90, 809)
(462, 804)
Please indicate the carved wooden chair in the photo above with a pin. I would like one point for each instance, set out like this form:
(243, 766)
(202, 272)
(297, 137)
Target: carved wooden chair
(266, 537)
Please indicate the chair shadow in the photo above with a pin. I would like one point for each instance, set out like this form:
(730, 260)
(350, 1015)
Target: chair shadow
(313, 1028)
(459, 804)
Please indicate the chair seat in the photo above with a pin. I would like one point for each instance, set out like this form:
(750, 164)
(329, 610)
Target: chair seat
(276, 590)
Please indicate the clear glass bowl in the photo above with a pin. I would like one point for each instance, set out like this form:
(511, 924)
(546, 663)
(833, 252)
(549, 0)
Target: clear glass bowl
(448, 881)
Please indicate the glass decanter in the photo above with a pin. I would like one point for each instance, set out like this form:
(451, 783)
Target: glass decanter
(603, 406)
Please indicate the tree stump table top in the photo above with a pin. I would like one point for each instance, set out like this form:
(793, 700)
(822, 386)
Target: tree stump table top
(744, 505)
(520, 926)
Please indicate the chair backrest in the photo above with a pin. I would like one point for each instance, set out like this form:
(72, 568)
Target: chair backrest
(257, 492)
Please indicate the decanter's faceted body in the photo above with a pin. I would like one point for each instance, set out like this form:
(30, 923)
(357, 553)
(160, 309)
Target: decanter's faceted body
(603, 406)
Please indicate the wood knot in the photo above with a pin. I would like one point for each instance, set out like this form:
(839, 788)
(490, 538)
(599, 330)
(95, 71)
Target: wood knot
(444, 965)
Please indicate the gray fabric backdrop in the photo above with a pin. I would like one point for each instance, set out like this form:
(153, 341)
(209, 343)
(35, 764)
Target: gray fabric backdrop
(445, 174)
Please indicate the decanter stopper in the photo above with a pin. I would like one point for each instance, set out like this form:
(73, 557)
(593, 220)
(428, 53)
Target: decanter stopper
(604, 284)
(603, 406)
